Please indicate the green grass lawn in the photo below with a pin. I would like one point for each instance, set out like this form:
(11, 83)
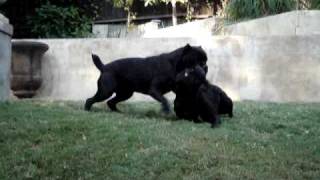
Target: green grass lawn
(58, 140)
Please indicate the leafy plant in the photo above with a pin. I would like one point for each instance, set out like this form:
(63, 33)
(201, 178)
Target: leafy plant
(243, 9)
(247, 9)
(52, 21)
(314, 4)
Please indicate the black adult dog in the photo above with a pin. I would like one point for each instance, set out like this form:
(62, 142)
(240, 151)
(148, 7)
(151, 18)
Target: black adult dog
(153, 75)
(195, 97)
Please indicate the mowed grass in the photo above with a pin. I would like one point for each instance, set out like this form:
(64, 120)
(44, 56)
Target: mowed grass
(58, 140)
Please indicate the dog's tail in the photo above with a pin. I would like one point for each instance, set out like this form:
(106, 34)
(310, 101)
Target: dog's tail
(97, 62)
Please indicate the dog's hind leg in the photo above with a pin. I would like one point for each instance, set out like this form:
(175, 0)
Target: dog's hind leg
(100, 95)
(230, 114)
(120, 96)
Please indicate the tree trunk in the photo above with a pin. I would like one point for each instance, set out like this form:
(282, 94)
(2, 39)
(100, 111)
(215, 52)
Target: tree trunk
(128, 18)
(174, 12)
(189, 12)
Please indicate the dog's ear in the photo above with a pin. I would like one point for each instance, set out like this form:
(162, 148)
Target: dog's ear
(186, 48)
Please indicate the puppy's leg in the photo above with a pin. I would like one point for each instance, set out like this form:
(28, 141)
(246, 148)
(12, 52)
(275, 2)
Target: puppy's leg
(120, 96)
(178, 108)
(212, 118)
(208, 108)
(159, 97)
(196, 120)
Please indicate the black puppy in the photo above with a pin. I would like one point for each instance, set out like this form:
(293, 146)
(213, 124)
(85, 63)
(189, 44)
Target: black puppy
(195, 97)
(154, 75)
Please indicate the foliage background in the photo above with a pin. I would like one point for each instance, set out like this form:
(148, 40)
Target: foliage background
(247, 9)
(52, 21)
(73, 18)
(21, 13)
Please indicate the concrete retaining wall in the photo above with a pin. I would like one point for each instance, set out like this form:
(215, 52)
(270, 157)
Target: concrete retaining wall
(5, 57)
(276, 68)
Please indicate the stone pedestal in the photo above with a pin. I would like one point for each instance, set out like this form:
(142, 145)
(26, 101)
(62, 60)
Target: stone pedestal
(6, 31)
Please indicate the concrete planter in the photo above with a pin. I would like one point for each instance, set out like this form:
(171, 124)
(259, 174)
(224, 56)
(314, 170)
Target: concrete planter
(26, 67)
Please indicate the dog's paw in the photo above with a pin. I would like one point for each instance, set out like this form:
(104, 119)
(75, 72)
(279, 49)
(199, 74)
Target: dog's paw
(215, 125)
(166, 110)
(87, 106)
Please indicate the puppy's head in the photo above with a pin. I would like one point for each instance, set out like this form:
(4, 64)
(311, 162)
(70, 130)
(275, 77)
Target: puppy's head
(191, 77)
(191, 57)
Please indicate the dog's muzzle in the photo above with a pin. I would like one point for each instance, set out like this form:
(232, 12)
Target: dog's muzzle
(205, 68)
(201, 71)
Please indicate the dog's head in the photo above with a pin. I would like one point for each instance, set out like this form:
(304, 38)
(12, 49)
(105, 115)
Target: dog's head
(191, 78)
(191, 57)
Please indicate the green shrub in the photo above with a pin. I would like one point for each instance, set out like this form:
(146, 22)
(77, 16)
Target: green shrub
(314, 4)
(247, 9)
(52, 21)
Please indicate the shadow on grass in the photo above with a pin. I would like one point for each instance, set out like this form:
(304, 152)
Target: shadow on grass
(138, 110)
(141, 110)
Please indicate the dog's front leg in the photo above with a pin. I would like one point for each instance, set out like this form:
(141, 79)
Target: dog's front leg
(159, 97)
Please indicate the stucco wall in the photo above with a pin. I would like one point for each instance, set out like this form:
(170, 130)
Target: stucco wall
(275, 68)
(291, 23)
(5, 57)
